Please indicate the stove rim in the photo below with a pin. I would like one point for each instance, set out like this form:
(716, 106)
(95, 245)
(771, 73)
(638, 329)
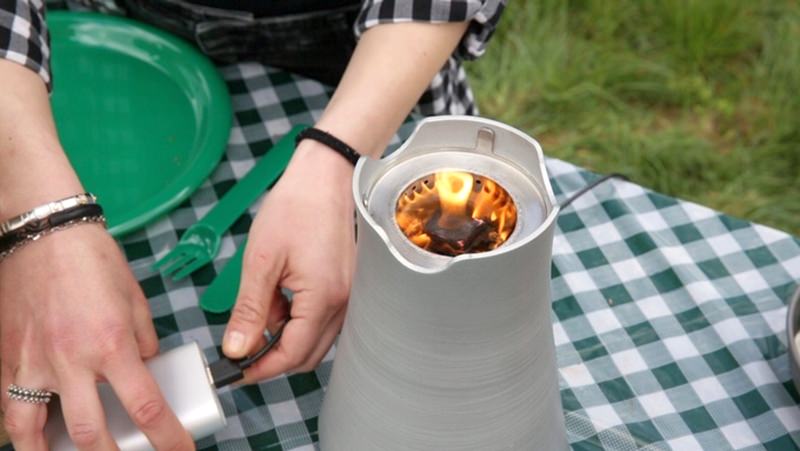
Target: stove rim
(525, 154)
(426, 261)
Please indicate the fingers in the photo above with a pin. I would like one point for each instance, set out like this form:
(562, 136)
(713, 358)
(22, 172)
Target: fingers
(6, 375)
(296, 343)
(278, 312)
(325, 342)
(282, 360)
(83, 412)
(142, 399)
(260, 276)
(143, 329)
(303, 344)
(23, 422)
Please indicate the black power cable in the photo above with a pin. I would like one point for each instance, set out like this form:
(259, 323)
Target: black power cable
(591, 186)
(226, 371)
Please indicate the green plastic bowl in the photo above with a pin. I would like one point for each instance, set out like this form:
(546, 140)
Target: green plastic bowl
(143, 116)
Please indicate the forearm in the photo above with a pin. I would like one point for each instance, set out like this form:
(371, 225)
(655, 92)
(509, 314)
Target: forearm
(390, 69)
(33, 167)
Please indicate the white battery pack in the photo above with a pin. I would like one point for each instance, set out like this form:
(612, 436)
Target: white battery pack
(183, 377)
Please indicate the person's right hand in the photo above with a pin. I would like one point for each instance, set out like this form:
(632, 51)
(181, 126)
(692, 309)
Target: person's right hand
(71, 314)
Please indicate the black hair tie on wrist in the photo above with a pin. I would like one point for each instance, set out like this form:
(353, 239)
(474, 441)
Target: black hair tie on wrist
(331, 141)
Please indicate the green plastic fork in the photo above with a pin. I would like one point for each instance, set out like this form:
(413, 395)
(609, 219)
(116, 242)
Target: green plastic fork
(200, 243)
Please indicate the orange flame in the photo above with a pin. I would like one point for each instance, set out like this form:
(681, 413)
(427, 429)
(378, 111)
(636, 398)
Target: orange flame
(453, 189)
(463, 203)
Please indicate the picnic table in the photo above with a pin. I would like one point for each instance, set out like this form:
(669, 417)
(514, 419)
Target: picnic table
(669, 317)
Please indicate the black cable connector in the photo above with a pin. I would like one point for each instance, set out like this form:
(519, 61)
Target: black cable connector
(228, 371)
(225, 372)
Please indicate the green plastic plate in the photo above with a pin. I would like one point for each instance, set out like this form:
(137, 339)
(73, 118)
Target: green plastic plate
(143, 116)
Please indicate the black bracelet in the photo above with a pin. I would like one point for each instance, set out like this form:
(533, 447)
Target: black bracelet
(35, 229)
(331, 141)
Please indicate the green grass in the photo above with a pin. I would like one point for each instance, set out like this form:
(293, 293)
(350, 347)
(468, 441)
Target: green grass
(698, 99)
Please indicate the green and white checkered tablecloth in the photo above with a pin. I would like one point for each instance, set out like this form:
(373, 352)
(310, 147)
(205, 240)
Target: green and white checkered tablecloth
(669, 318)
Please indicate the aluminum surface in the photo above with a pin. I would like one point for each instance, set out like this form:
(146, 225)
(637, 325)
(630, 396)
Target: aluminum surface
(181, 374)
(448, 353)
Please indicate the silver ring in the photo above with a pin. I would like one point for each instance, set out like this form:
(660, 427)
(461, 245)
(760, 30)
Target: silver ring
(29, 395)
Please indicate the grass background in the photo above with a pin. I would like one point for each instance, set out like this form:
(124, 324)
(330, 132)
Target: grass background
(698, 99)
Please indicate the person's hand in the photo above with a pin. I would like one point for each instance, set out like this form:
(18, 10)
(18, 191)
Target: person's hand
(71, 314)
(302, 239)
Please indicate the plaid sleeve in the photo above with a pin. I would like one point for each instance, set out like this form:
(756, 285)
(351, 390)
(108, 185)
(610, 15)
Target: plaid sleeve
(483, 16)
(23, 36)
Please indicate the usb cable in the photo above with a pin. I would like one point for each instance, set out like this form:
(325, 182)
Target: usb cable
(228, 371)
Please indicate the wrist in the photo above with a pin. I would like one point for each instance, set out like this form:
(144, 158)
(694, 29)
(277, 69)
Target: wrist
(46, 219)
(363, 134)
(331, 142)
(70, 244)
(31, 177)
(33, 167)
(316, 156)
(320, 171)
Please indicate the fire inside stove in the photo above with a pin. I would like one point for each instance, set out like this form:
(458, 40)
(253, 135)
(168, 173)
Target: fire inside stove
(453, 213)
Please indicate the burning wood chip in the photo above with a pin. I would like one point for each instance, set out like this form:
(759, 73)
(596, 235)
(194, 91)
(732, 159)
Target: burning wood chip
(453, 213)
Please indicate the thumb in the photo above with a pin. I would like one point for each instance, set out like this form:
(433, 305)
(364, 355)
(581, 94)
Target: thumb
(257, 290)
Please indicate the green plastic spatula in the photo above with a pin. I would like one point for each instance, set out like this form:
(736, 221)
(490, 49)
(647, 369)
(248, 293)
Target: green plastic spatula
(220, 296)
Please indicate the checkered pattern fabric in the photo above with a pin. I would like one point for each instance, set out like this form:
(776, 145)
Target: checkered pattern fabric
(449, 91)
(670, 323)
(668, 316)
(23, 36)
(484, 14)
(24, 39)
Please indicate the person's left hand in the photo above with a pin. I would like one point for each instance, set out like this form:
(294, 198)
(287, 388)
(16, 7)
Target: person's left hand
(302, 239)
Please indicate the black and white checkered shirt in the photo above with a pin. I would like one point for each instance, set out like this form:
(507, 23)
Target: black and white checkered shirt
(24, 39)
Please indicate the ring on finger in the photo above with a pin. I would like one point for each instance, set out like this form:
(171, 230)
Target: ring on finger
(29, 395)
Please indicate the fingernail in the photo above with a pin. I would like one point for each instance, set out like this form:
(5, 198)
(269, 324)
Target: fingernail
(234, 343)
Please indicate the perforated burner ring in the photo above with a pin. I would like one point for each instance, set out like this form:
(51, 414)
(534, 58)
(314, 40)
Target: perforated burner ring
(456, 212)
